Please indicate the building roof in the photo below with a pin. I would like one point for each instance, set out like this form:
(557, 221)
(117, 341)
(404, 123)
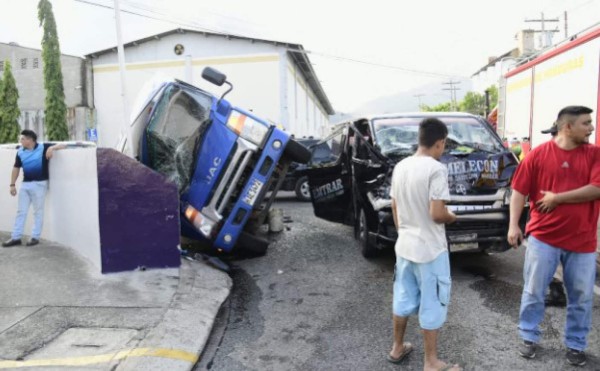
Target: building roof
(509, 53)
(16, 45)
(295, 51)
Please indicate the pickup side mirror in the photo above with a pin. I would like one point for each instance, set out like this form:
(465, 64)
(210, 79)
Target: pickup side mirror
(214, 76)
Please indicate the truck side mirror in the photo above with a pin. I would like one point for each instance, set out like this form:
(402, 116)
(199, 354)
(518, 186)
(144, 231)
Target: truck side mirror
(214, 76)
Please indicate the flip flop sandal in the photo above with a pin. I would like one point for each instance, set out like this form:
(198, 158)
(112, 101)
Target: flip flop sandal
(407, 349)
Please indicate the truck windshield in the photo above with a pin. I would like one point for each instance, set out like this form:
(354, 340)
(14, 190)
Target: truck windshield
(465, 135)
(174, 132)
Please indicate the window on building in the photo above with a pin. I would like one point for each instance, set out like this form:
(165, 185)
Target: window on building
(36, 63)
(23, 63)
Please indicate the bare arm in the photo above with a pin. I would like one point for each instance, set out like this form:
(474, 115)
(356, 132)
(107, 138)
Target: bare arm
(517, 204)
(13, 179)
(55, 147)
(440, 213)
(395, 214)
(584, 194)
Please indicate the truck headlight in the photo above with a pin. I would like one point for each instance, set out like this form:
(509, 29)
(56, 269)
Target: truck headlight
(247, 128)
(203, 224)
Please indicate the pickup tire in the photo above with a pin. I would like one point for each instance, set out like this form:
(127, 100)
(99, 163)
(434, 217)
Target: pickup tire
(367, 250)
(302, 189)
(252, 244)
(297, 152)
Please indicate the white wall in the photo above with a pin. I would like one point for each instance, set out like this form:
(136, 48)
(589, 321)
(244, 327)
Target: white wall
(305, 114)
(71, 211)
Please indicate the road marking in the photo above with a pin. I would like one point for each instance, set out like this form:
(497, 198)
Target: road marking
(181, 355)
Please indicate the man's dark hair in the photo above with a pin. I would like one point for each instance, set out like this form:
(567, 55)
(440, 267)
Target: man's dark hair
(29, 134)
(570, 114)
(574, 111)
(430, 131)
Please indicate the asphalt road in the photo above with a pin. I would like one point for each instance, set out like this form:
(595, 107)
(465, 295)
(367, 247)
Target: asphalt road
(314, 303)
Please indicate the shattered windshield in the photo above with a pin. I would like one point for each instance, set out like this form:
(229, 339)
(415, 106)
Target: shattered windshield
(465, 135)
(177, 125)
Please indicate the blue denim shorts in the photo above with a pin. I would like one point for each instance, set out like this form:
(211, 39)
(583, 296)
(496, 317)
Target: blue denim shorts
(423, 288)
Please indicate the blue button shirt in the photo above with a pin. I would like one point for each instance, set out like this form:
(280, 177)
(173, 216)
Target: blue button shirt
(34, 162)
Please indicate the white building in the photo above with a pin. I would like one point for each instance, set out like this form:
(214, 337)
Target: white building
(496, 67)
(269, 77)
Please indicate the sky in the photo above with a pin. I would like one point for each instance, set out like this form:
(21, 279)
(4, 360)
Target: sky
(359, 50)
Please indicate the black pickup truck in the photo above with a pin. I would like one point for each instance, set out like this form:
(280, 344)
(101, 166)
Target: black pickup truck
(352, 185)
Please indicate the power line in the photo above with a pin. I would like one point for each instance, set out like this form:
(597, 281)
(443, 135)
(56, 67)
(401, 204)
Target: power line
(162, 17)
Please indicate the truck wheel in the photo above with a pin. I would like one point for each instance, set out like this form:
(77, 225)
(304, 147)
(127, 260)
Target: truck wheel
(252, 244)
(302, 189)
(367, 250)
(297, 152)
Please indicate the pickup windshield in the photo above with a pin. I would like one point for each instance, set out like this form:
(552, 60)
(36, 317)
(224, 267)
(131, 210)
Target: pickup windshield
(465, 135)
(174, 132)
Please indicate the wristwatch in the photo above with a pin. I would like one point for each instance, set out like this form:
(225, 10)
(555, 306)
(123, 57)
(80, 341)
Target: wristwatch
(12, 185)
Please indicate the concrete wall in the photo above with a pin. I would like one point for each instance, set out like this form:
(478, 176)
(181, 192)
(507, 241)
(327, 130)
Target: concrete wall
(27, 69)
(256, 70)
(112, 210)
(71, 213)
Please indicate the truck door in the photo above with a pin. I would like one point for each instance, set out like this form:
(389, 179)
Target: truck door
(329, 178)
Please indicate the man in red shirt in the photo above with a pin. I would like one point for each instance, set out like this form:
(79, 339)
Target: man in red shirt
(562, 179)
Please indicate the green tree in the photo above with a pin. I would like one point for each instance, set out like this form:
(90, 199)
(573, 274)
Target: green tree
(493, 96)
(9, 107)
(56, 109)
(1, 101)
(442, 107)
(473, 103)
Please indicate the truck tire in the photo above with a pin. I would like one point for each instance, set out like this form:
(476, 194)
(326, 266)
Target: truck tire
(302, 189)
(367, 250)
(252, 244)
(297, 152)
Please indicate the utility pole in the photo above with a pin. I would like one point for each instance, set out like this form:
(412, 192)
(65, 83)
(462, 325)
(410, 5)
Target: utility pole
(418, 96)
(545, 34)
(452, 90)
(121, 57)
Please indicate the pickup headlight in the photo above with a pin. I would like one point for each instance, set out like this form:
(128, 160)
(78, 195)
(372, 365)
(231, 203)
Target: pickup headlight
(247, 128)
(507, 195)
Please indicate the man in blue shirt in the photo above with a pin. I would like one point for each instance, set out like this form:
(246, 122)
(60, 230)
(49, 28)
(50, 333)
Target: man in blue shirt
(33, 158)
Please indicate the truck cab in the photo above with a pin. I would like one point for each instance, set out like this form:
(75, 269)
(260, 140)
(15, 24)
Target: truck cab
(222, 158)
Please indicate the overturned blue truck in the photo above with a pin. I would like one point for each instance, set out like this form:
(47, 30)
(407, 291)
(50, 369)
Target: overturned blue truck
(224, 160)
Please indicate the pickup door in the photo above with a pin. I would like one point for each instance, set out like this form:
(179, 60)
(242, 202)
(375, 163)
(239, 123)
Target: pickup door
(330, 179)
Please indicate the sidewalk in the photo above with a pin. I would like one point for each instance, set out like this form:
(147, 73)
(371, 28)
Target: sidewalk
(55, 312)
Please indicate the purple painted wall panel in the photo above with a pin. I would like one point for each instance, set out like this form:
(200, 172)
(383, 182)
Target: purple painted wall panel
(139, 215)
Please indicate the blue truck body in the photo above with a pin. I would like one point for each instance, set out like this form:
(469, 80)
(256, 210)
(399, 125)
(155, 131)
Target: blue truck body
(223, 158)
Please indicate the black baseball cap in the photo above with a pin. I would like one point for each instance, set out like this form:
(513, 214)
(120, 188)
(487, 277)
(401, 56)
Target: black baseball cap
(568, 110)
(551, 130)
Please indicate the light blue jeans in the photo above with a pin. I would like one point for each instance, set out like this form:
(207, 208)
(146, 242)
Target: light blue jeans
(31, 193)
(579, 273)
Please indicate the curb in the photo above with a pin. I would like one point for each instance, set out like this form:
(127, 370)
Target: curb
(185, 327)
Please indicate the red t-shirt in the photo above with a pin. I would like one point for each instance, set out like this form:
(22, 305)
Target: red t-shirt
(549, 168)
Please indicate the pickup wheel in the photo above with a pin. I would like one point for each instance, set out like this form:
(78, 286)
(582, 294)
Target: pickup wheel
(367, 250)
(302, 189)
(252, 244)
(297, 152)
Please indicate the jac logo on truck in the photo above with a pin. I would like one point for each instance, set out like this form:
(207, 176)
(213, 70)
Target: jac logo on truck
(328, 190)
(213, 169)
